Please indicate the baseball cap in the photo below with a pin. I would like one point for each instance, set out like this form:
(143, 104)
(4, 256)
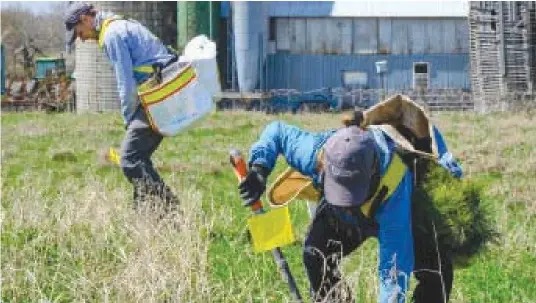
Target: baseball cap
(72, 17)
(349, 157)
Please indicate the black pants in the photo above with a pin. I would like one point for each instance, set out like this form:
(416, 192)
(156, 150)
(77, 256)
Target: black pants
(433, 267)
(336, 232)
(139, 144)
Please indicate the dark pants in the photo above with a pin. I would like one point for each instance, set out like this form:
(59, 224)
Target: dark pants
(336, 232)
(434, 277)
(139, 144)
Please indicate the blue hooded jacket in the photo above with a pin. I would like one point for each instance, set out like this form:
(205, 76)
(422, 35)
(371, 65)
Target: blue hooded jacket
(300, 149)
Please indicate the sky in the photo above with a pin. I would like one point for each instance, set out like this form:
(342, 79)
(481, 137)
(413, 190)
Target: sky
(34, 6)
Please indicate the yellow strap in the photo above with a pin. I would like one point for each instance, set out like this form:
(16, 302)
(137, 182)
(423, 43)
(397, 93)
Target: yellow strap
(391, 179)
(104, 28)
(159, 93)
(146, 69)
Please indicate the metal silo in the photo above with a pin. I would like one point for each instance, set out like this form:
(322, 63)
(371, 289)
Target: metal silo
(96, 88)
(249, 21)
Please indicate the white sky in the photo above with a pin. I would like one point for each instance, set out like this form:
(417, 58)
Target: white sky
(34, 6)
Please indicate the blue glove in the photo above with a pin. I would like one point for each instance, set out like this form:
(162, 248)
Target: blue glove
(450, 164)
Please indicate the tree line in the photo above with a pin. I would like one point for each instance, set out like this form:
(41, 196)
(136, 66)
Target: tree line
(41, 34)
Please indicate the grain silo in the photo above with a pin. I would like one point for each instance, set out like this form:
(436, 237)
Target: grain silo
(96, 88)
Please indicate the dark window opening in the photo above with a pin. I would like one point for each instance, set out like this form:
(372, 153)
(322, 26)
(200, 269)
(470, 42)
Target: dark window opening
(493, 22)
(421, 68)
(272, 29)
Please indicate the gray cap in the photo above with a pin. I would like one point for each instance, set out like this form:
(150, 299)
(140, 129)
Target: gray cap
(72, 17)
(349, 157)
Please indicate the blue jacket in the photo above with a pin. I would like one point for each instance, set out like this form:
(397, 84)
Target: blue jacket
(128, 44)
(300, 149)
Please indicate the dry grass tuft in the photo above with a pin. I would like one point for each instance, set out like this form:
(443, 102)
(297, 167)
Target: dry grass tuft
(87, 243)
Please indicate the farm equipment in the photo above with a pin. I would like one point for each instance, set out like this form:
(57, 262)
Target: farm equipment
(44, 86)
(53, 93)
(281, 100)
(294, 101)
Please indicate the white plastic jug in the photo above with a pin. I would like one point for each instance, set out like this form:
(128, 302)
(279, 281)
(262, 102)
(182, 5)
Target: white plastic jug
(202, 53)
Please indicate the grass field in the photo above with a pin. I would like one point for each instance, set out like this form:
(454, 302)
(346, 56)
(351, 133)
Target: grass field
(69, 233)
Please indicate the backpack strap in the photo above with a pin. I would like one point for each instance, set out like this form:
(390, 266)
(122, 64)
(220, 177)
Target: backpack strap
(388, 184)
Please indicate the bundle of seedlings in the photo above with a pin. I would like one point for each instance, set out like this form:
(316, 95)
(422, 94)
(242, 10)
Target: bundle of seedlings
(454, 212)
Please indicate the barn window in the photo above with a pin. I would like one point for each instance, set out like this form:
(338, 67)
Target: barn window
(354, 79)
(420, 75)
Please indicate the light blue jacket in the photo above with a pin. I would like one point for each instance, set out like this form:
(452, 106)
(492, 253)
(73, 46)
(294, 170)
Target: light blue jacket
(128, 44)
(300, 149)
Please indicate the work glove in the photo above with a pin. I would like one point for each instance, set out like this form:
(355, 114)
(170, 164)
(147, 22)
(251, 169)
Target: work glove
(448, 162)
(254, 185)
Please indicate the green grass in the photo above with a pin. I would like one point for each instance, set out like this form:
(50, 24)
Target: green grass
(69, 234)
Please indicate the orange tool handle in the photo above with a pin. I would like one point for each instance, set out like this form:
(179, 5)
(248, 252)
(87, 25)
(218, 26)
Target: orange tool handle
(241, 170)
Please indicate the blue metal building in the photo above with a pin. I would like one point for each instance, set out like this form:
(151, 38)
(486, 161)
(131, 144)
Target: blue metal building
(395, 45)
